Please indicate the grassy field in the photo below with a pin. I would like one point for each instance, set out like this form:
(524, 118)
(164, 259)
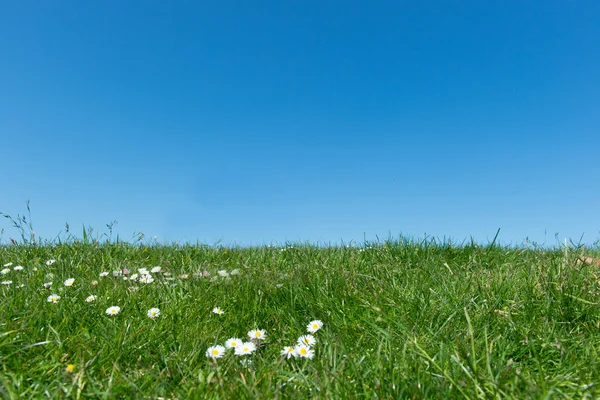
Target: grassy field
(403, 319)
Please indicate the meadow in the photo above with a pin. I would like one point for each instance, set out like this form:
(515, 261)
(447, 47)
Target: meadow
(393, 319)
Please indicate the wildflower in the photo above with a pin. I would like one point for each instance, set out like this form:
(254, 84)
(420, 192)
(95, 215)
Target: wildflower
(50, 262)
(146, 279)
(304, 351)
(215, 352)
(114, 310)
(218, 310)
(47, 285)
(6, 282)
(125, 271)
(308, 340)
(70, 368)
(90, 298)
(223, 273)
(184, 276)
(53, 298)
(8, 264)
(18, 268)
(156, 269)
(235, 272)
(143, 271)
(153, 313)
(245, 348)
(289, 352)
(5, 271)
(133, 277)
(233, 343)
(117, 273)
(314, 326)
(103, 274)
(205, 273)
(259, 334)
(132, 288)
(49, 275)
(69, 282)
(94, 283)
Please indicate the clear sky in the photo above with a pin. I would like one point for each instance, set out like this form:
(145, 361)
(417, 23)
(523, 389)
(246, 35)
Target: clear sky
(324, 121)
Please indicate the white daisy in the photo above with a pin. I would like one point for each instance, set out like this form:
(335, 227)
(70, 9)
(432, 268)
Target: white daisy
(308, 340)
(90, 298)
(50, 262)
(304, 351)
(5, 271)
(259, 334)
(289, 352)
(103, 274)
(223, 273)
(143, 271)
(215, 352)
(18, 268)
(153, 313)
(156, 269)
(47, 285)
(245, 348)
(53, 298)
(114, 310)
(8, 264)
(218, 310)
(146, 279)
(233, 343)
(6, 282)
(314, 326)
(69, 282)
(133, 277)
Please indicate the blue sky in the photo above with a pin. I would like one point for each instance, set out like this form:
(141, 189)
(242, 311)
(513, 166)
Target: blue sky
(321, 121)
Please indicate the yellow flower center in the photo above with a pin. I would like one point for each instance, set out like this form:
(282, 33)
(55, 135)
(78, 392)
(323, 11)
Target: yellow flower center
(303, 351)
(315, 326)
(215, 352)
(257, 334)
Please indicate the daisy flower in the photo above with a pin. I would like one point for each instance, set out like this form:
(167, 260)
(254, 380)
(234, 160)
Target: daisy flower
(153, 313)
(94, 283)
(235, 272)
(5, 271)
(18, 268)
(8, 264)
(259, 334)
(143, 271)
(289, 352)
(103, 274)
(245, 348)
(146, 279)
(215, 352)
(304, 351)
(223, 273)
(133, 277)
(307, 340)
(314, 326)
(218, 310)
(69, 282)
(6, 282)
(50, 262)
(114, 310)
(53, 298)
(156, 269)
(47, 285)
(90, 298)
(233, 343)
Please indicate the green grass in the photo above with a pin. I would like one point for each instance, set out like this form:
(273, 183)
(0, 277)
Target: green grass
(401, 320)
